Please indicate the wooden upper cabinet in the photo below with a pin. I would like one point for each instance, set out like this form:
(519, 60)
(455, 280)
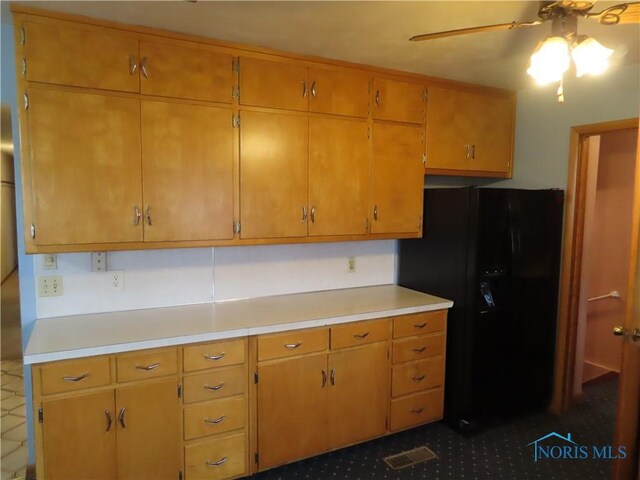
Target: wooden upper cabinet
(339, 92)
(192, 72)
(273, 175)
(80, 55)
(398, 101)
(187, 160)
(265, 83)
(398, 178)
(339, 173)
(84, 168)
(470, 131)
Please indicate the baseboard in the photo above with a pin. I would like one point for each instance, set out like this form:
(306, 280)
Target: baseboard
(602, 378)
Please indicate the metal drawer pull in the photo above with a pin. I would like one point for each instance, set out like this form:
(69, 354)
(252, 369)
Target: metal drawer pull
(121, 416)
(324, 378)
(332, 376)
(109, 420)
(143, 67)
(361, 336)
(148, 215)
(378, 98)
(419, 350)
(133, 64)
(417, 411)
(419, 378)
(215, 388)
(312, 214)
(137, 214)
(292, 346)
(215, 357)
(420, 325)
(153, 366)
(304, 88)
(375, 212)
(313, 89)
(215, 421)
(304, 214)
(76, 379)
(216, 464)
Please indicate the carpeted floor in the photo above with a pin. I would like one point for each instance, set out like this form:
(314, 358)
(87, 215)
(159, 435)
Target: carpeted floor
(497, 454)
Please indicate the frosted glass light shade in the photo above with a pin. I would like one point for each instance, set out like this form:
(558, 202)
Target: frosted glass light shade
(550, 60)
(590, 57)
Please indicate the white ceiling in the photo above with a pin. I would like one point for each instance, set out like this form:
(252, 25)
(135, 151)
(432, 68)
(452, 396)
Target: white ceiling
(374, 33)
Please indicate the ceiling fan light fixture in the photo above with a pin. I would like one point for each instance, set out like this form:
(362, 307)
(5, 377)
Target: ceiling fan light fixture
(590, 56)
(550, 60)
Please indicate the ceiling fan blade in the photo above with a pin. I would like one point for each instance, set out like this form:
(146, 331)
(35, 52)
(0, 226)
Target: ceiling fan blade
(618, 14)
(465, 31)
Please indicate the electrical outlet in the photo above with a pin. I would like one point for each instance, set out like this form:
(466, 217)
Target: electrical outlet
(99, 262)
(351, 264)
(50, 285)
(50, 261)
(116, 279)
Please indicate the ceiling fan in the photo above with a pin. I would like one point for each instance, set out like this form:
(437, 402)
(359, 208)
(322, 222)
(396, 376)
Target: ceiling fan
(552, 56)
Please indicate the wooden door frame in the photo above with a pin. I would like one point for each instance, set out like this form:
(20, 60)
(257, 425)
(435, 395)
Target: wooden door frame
(572, 248)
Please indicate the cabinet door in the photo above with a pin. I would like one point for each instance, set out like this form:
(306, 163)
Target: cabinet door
(187, 158)
(358, 394)
(398, 101)
(273, 84)
(339, 92)
(81, 56)
(398, 179)
(79, 437)
(85, 167)
(448, 127)
(175, 70)
(148, 431)
(292, 409)
(274, 151)
(339, 176)
(492, 117)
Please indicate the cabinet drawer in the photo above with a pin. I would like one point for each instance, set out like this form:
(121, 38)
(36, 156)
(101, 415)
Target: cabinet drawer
(416, 348)
(219, 383)
(419, 323)
(216, 459)
(416, 409)
(412, 377)
(359, 333)
(138, 366)
(293, 343)
(216, 416)
(219, 354)
(75, 375)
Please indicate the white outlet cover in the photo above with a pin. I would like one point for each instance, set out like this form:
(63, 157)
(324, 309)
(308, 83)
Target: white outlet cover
(50, 286)
(116, 280)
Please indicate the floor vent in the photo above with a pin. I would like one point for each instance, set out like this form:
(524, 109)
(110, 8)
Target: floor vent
(410, 457)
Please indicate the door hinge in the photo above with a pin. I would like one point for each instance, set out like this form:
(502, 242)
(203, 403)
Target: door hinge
(23, 35)
(235, 121)
(24, 66)
(256, 457)
(420, 223)
(180, 475)
(255, 377)
(179, 390)
(26, 101)
(368, 132)
(366, 225)
(33, 231)
(236, 227)
(235, 65)
(425, 95)
(424, 160)
(40, 415)
(235, 92)
(386, 423)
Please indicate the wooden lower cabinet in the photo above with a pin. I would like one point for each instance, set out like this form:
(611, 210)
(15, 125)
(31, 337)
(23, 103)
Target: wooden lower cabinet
(216, 459)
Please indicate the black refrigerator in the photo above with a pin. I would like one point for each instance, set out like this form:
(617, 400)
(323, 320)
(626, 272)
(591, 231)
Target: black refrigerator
(496, 254)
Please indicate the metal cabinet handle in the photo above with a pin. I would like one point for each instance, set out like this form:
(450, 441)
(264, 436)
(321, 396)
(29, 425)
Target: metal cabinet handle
(313, 89)
(107, 413)
(304, 88)
(147, 215)
(332, 376)
(473, 152)
(419, 325)
(361, 336)
(377, 98)
(292, 346)
(419, 378)
(417, 411)
(137, 214)
(121, 416)
(375, 212)
(419, 350)
(304, 214)
(153, 366)
(215, 357)
(214, 421)
(215, 388)
(324, 378)
(209, 463)
(76, 379)
(468, 150)
(312, 214)
(133, 64)
(143, 67)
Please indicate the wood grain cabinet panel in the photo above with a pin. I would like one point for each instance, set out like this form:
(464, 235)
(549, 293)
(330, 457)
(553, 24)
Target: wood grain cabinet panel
(419, 323)
(289, 344)
(398, 101)
(215, 354)
(264, 83)
(416, 376)
(85, 167)
(144, 365)
(273, 175)
(398, 179)
(221, 382)
(216, 459)
(416, 348)
(187, 158)
(339, 176)
(71, 375)
(80, 55)
(339, 92)
(359, 333)
(193, 72)
(215, 416)
(416, 409)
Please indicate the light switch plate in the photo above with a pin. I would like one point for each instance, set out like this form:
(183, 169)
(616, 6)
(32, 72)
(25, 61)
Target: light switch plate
(50, 261)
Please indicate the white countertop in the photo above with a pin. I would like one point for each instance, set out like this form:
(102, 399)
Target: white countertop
(102, 333)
